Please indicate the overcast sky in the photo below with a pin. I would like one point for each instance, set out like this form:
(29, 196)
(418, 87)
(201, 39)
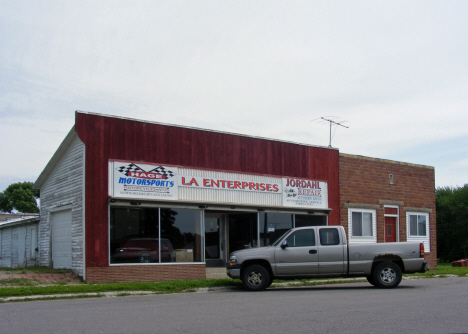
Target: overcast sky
(394, 72)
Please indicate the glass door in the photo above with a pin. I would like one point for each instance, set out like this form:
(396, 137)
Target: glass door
(215, 244)
(243, 231)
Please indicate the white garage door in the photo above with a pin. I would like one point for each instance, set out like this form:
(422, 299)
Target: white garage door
(61, 239)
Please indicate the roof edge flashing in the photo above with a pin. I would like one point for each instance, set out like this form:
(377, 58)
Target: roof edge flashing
(59, 153)
(206, 130)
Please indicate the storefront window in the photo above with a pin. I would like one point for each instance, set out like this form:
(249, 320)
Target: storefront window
(242, 231)
(310, 220)
(273, 225)
(181, 229)
(134, 235)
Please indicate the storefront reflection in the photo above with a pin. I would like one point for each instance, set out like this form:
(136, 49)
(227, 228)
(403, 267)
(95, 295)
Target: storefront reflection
(134, 235)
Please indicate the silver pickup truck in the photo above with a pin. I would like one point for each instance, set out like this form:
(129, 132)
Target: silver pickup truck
(322, 251)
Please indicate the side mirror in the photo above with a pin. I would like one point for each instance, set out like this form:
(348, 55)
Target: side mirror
(284, 244)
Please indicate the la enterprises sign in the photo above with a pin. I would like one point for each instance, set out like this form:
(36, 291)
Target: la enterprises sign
(146, 182)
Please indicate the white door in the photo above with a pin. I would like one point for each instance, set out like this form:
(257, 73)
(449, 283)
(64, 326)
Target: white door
(21, 246)
(61, 239)
(32, 245)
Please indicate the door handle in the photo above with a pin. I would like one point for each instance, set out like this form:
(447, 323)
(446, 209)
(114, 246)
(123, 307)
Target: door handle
(313, 251)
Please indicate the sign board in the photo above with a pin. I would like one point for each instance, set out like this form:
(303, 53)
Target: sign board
(158, 182)
(302, 193)
(142, 181)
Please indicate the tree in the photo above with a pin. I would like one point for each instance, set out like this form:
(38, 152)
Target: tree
(19, 196)
(452, 222)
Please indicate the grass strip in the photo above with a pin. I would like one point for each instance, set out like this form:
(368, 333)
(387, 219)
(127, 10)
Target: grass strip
(443, 269)
(155, 287)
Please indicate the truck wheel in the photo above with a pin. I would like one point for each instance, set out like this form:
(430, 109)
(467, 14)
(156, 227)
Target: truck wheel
(387, 275)
(370, 279)
(256, 277)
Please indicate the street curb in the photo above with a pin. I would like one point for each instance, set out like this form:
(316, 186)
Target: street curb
(198, 290)
(79, 295)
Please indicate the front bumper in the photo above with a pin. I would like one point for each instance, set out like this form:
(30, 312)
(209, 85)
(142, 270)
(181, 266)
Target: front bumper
(233, 272)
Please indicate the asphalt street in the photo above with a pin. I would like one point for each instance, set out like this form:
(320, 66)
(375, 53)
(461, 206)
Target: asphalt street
(416, 306)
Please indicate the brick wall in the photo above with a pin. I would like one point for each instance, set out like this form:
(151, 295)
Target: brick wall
(145, 273)
(365, 182)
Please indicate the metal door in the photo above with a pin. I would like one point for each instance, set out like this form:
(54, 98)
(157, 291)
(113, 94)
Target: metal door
(21, 246)
(331, 252)
(61, 239)
(299, 256)
(390, 229)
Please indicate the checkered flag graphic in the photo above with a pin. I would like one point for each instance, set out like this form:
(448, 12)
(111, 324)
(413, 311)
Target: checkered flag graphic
(163, 171)
(129, 168)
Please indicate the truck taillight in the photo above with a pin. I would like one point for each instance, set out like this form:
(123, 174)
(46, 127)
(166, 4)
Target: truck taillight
(421, 250)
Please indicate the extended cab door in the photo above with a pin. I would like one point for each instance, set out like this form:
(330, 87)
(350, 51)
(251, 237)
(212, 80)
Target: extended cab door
(332, 251)
(300, 256)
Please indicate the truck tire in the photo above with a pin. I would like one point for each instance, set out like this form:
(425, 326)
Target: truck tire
(387, 275)
(271, 281)
(370, 279)
(256, 277)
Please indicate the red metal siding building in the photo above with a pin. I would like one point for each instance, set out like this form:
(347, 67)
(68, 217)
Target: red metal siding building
(108, 138)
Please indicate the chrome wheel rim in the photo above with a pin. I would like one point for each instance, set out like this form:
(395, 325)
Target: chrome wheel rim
(388, 275)
(255, 278)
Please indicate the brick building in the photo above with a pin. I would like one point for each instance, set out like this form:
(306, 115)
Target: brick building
(393, 195)
(128, 200)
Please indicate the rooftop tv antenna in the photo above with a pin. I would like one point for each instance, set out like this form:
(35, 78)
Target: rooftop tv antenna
(331, 123)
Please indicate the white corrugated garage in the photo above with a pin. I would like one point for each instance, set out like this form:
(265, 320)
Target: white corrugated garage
(18, 242)
(61, 239)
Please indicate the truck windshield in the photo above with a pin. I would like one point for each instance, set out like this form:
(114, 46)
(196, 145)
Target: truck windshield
(279, 239)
